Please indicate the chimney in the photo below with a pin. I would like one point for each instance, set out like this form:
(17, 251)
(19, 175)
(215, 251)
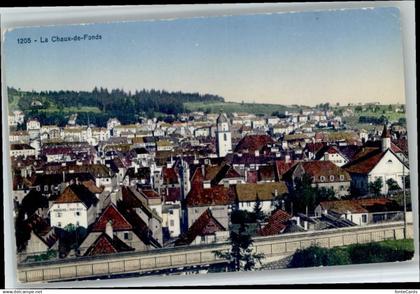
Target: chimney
(276, 193)
(257, 153)
(109, 230)
(305, 225)
(203, 170)
(287, 158)
(283, 207)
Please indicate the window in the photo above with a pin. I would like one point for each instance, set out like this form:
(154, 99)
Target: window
(322, 178)
(171, 211)
(331, 178)
(203, 238)
(389, 161)
(128, 236)
(58, 214)
(342, 177)
(77, 213)
(364, 218)
(341, 188)
(77, 224)
(59, 224)
(225, 137)
(172, 223)
(45, 188)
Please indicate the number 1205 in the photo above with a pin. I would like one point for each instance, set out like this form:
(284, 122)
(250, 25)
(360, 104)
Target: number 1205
(24, 40)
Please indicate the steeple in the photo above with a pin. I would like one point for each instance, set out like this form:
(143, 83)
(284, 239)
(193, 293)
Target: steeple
(223, 135)
(385, 139)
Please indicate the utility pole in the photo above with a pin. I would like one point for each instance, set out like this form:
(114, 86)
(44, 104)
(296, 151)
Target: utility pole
(405, 204)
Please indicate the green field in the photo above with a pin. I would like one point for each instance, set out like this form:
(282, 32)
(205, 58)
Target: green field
(73, 109)
(230, 107)
(381, 110)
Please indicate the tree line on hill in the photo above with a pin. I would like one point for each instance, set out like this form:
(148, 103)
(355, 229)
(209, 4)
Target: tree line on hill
(126, 106)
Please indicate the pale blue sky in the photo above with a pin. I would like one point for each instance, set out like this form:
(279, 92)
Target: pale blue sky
(303, 58)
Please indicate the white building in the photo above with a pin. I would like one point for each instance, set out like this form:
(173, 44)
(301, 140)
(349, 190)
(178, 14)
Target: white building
(380, 163)
(22, 150)
(171, 219)
(247, 195)
(16, 118)
(76, 205)
(223, 136)
(33, 124)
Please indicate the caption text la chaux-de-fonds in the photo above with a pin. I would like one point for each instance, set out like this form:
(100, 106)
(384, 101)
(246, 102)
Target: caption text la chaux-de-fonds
(58, 39)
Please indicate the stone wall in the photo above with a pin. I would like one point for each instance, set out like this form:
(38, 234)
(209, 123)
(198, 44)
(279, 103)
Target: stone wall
(166, 258)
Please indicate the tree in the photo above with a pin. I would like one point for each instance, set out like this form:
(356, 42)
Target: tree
(258, 213)
(303, 194)
(392, 185)
(240, 257)
(375, 187)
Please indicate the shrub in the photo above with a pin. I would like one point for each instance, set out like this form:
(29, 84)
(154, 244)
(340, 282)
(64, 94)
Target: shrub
(318, 256)
(377, 252)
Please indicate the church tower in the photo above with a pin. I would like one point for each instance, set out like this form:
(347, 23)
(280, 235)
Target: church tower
(386, 139)
(223, 136)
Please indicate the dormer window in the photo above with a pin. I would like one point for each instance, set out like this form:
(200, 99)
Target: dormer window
(322, 178)
(341, 177)
(331, 178)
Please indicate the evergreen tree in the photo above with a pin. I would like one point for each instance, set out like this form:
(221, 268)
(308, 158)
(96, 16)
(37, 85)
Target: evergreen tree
(258, 213)
(392, 185)
(240, 257)
(376, 187)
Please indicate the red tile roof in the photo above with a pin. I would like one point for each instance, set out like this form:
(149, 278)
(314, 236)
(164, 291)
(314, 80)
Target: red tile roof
(77, 193)
(314, 147)
(151, 194)
(357, 205)
(251, 143)
(218, 195)
(173, 194)
(206, 224)
(283, 166)
(277, 222)
(105, 245)
(318, 168)
(365, 163)
(402, 144)
(111, 213)
(267, 173)
(169, 176)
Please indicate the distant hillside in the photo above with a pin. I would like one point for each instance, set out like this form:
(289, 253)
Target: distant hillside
(97, 106)
(229, 107)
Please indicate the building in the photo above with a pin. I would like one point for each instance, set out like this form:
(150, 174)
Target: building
(223, 136)
(24, 150)
(247, 195)
(372, 163)
(205, 229)
(76, 206)
(361, 211)
(324, 174)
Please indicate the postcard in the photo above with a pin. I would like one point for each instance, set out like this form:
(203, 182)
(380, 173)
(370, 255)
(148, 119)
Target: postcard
(204, 145)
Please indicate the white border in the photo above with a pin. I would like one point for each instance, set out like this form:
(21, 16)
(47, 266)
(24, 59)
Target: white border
(369, 273)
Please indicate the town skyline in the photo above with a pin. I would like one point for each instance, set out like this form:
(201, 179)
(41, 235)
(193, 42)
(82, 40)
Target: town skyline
(344, 56)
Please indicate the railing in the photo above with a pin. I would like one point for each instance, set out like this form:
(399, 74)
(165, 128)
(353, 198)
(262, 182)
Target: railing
(178, 257)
